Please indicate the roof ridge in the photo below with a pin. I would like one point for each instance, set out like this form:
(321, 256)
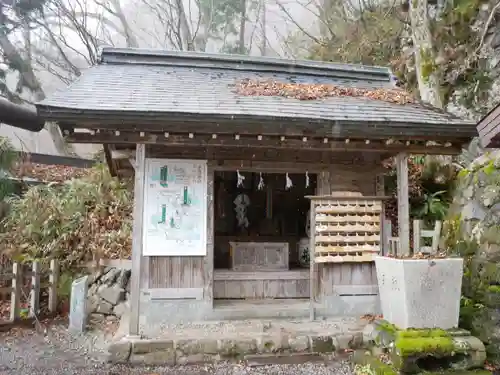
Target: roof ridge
(112, 55)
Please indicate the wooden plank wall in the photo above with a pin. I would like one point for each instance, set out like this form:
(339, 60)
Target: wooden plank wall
(259, 285)
(346, 278)
(197, 272)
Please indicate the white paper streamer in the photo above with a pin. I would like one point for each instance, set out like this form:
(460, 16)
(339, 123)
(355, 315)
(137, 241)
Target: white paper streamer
(241, 178)
(260, 186)
(307, 179)
(288, 183)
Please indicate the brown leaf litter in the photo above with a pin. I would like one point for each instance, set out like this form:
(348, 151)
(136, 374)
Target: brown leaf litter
(47, 173)
(420, 255)
(308, 91)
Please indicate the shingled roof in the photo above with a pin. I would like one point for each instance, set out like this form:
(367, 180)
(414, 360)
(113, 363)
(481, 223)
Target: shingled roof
(164, 84)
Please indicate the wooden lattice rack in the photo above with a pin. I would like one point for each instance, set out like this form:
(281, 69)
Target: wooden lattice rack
(345, 228)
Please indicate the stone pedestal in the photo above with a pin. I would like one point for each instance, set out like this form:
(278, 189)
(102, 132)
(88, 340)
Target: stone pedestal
(420, 293)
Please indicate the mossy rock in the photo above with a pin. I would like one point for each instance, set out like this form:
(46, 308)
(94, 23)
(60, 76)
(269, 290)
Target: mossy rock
(492, 296)
(367, 364)
(423, 346)
(417, 350)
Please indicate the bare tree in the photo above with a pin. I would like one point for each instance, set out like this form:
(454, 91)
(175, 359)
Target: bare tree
(428, 80)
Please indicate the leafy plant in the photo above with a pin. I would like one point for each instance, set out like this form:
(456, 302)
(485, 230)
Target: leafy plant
(432, 206)
(8, 157)
(75, 222)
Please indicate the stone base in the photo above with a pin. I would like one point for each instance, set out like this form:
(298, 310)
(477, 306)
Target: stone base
(366, 363)
(420, 350)
(182, 352)
(420, 293)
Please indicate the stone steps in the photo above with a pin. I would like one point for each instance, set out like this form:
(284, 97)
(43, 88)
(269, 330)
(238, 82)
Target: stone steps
(190, 351)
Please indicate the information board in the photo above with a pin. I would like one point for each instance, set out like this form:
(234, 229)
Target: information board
(175, 208)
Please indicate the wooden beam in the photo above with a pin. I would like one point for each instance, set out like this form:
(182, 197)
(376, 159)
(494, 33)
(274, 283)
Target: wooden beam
(240, 158)
(137, 240)
(403, 203)
(259, 141)
(109, 159)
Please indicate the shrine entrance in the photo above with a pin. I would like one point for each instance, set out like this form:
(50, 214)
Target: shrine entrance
(261, 247)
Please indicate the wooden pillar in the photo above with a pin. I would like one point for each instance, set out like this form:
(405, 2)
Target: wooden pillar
(313, 277)
(384, 236)
(208, 262)
(403, 203)
(137, 241)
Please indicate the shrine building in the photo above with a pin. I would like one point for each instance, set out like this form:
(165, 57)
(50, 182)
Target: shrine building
(258, 181)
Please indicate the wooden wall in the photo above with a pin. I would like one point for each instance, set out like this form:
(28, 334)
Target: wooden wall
(177, 273)
(348, 279)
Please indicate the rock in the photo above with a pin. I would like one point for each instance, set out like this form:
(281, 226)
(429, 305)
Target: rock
(92, 289)
(153, 352)
(322, 344)
(122, 279)
(96, 318)
(110, 277)
(298, 344)
(120, 309)
(375, 333)
(92, 303)
(104, 307)
(235, 348)
(352, 341)
(473, 211)
(112, 294)
(201, 346)
(275, 344)
(119, 352)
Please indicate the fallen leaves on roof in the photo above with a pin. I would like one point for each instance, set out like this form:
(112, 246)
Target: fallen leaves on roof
(47, 173)
(308, 91)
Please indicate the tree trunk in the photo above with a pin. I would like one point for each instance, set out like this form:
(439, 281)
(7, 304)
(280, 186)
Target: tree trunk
(130, 38)
(185, 30)
(425, 56)
(31, 81)
(243, 21)
(263, 45)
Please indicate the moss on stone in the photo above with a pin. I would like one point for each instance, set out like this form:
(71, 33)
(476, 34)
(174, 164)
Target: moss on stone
(436, 346)
(415, 333)
(494, 288)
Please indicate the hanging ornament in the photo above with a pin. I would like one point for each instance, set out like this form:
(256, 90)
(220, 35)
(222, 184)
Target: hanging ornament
(260, 186)
(307, 179)
(241, 178)
(241, 203)
(288, 183)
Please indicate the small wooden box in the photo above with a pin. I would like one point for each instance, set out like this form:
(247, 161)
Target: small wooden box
(259, 256)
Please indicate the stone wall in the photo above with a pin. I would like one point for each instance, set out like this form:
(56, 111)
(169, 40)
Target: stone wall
(108, 293)
(473, 231)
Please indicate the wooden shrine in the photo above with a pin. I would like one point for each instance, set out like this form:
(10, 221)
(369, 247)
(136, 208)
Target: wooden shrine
(188, 108)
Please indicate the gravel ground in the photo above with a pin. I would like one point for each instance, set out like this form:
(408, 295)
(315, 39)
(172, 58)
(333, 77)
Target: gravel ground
(52, 350)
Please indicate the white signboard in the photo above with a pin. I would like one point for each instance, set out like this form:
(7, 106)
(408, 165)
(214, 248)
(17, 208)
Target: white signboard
(175, 209)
